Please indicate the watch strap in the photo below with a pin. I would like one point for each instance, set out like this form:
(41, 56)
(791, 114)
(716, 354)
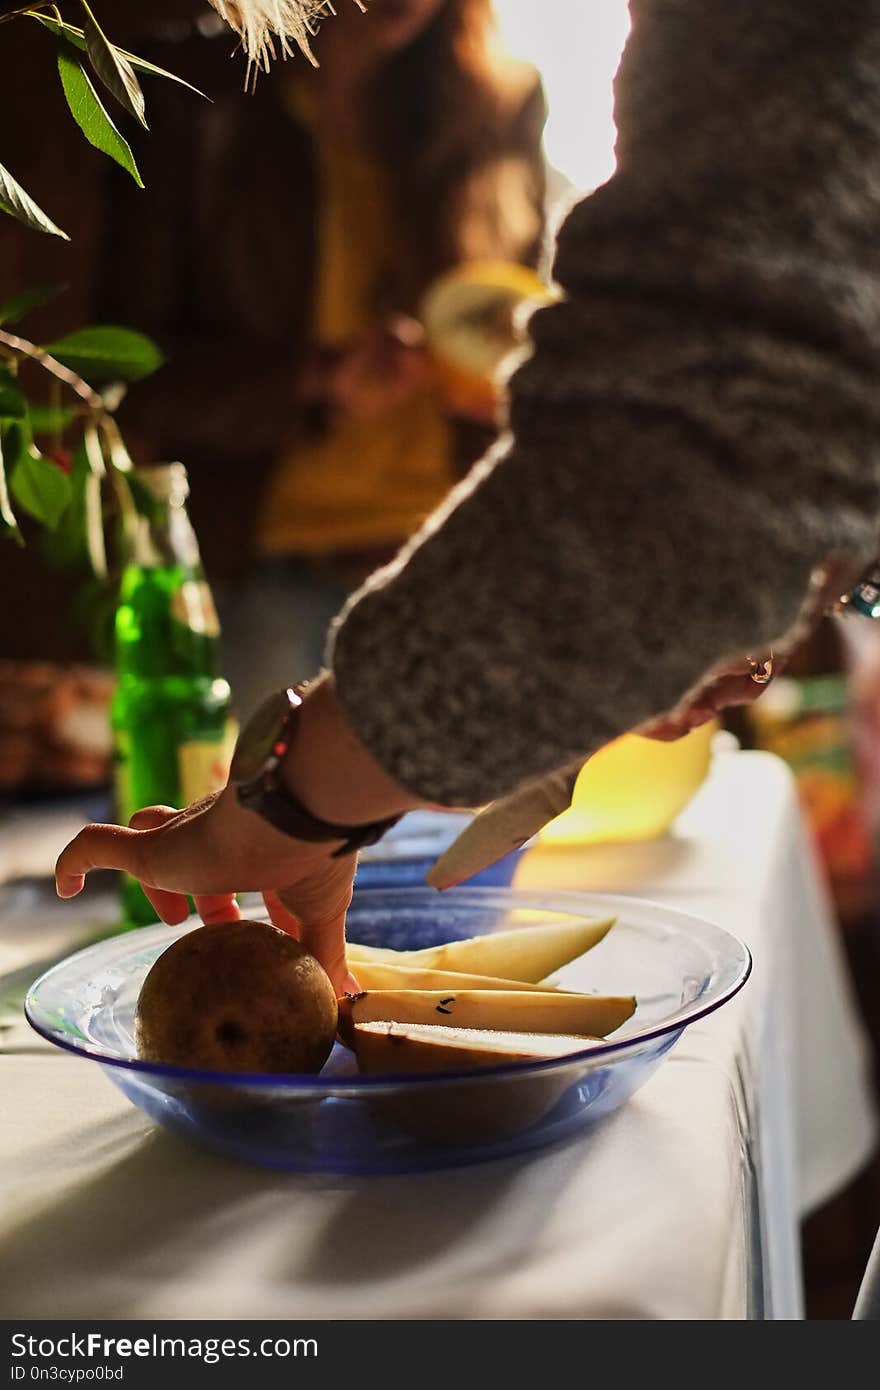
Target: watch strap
(282, 810)
(264, 792)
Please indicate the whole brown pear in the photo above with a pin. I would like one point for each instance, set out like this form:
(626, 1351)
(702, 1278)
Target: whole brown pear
(236, 997)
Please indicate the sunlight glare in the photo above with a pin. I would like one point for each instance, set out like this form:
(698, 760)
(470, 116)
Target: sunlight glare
(576, 46)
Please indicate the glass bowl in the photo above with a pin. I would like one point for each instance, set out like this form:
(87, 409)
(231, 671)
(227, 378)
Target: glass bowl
(679, 968)
(409, 849)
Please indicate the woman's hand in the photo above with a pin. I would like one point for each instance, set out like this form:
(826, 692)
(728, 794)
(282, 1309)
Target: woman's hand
(217, 847)
(213, 850)
(730, 683)
(369, 374)
(743, 680)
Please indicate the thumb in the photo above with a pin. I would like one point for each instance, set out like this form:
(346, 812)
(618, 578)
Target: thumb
(326, 941)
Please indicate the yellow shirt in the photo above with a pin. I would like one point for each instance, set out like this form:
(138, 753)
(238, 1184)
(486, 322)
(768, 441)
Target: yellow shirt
(369, 482)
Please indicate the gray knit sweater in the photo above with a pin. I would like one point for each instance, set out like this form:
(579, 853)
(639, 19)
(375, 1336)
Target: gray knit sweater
(695, 428)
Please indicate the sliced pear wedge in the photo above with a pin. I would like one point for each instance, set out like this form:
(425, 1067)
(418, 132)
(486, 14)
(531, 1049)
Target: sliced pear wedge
(373, 974)
(428, 1047)
(528, 953)
(476, 1109)
(517, 1011)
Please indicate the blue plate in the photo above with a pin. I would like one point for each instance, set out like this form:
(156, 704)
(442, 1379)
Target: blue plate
(679, 967)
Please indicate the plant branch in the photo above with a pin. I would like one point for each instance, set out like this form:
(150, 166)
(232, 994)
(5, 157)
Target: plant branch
(9, 9)
(70, 379)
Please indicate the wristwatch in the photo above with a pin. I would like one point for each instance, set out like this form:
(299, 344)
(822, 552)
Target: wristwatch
(256, 775)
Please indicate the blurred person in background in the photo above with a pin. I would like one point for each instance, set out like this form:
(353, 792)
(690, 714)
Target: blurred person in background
(690, 474)
(279, 256)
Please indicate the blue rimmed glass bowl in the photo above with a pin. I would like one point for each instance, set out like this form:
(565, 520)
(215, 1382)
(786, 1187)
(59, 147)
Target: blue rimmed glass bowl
(679, 968)
(405, 853)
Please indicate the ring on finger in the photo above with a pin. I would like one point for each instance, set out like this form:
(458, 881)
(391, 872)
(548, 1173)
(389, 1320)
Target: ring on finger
(761, 672)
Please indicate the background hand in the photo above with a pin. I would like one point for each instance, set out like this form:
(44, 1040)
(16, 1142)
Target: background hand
(378, 369)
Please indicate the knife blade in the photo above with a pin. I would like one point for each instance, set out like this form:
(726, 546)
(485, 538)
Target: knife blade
(503, 826)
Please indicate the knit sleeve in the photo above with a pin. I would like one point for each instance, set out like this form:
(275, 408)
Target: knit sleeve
(694, 428)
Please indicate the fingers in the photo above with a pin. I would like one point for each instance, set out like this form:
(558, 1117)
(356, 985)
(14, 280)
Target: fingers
(728, 683)
(406, 330)
(217, 907)
(173, 908)
(96, 846)
(319, 906)
(668, 730)
(326, 941)
(350, 984)
(281, 917)
(166, 846)
(205, 851)
(149, 817)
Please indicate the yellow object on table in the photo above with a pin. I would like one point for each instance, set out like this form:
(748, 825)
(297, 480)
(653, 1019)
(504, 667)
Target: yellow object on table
(633, 788)
(471, 321)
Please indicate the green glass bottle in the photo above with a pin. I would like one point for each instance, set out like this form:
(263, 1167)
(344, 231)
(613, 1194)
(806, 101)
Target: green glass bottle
(172, 718)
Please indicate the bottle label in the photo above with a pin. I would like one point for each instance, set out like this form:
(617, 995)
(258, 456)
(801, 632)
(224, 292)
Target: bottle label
(203, 763)
(192, 606)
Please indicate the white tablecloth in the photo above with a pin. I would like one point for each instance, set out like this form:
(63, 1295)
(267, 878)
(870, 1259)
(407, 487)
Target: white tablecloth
(684, 1204)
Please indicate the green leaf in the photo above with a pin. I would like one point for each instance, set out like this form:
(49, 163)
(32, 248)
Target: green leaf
(20, 304)
(148, 69)
(68, 546)
(78, 39)
(114, 70)
(107, 353)
(12, 403)
(40, 487)
(50, 419)
(89, 113)
(8, 523)
(16, 438)
(20, 205)
(93, 610)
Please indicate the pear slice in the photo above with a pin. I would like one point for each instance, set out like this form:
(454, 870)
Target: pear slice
(528, 953)
(478, 1109)
(428, 1047)
(510, 1011)
(374, 974)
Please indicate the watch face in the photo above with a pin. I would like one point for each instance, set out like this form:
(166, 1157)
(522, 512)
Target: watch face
(256, 743)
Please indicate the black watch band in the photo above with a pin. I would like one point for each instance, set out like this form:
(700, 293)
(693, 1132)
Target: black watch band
(265, 793)
(281, 809)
